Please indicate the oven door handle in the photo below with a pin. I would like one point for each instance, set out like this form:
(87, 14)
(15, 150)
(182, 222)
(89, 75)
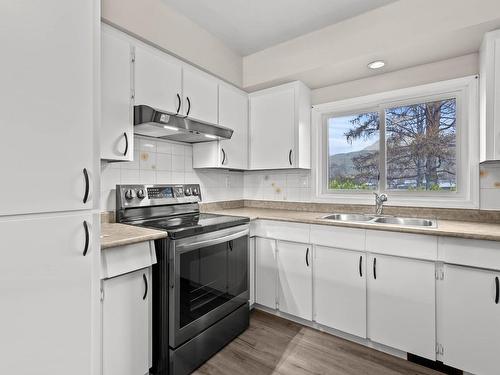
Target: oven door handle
(214, 241)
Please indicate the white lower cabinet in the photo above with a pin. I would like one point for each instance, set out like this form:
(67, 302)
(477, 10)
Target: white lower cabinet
(251, 279)
(401, 307)
(266, 273)
(46, 293)
(340, 289)
(470, 319)
(295, 279)
(127, 324)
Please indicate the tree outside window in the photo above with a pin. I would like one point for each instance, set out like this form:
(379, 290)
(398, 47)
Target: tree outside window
(420, 145)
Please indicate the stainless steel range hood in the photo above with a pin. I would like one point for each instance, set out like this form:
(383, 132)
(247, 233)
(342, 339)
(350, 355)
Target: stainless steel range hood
(153, 123)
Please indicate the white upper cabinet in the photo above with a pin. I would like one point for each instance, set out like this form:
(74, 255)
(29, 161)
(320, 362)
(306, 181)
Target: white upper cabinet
(228, 153)
(157, 79)
(295, 279)
(490, 96)
(280, 126)
(402, 304)
(117, 129)
(469, 313)
(340, 289)
(200, 95)
(47, 279)
(47, 95)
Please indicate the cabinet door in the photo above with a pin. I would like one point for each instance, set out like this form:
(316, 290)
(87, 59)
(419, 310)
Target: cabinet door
(251, 257)
(340, 289)
(233, 113)
(471, 317)
(157, 80)
(125, 326)
(117, 130)
(402, 303)
(266, 274)
(47, 95)
(46, 293)
(200, 95)
(272, 116)
(295, 279)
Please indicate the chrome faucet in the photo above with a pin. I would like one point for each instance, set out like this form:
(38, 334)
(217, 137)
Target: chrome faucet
(379, 203)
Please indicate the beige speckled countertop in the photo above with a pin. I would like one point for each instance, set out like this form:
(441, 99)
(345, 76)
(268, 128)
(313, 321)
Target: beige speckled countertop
(449, 228)
(113, 235)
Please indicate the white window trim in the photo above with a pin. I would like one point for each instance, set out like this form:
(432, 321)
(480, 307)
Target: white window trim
(467, 196)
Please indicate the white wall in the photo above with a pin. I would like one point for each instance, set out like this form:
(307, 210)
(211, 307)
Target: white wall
(162, 162)
(162, 26)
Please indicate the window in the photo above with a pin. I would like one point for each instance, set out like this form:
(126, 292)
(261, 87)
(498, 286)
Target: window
(418, 145)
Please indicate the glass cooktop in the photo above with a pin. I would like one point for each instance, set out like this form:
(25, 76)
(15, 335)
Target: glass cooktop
(192, 224)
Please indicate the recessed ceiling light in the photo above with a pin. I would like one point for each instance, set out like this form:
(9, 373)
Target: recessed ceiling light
(376, 64)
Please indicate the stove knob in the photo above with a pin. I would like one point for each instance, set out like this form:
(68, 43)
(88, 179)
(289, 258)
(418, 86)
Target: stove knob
(195, 191)
(141, 194)
(187, 191)
(130, 194)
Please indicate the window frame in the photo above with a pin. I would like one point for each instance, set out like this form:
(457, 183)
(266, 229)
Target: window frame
(464, 90)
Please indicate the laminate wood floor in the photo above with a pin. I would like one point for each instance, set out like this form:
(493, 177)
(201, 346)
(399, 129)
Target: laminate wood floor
(272, 346)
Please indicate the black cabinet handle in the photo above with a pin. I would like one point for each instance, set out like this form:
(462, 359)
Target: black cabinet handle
(497, 294)
(126, 144)
(178, 103)
(146, 286)
(189, 106)
(360, 266)
(87, 185)
(223, 156)
(87, 237)
(307, 257)
(290, 157)
(375, 268)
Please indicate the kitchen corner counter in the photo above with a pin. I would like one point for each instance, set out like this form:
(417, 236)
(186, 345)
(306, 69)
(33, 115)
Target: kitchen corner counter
(448, 228)
(113, 235)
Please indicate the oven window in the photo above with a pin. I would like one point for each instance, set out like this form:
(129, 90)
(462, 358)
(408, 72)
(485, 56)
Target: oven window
(211, 276)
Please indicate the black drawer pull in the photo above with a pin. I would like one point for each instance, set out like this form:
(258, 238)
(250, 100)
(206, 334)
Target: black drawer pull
(189, 106)
(290, 157)
(126, 144)
(223, 156)
(146, 286)
(178, 103)
(87, 185)
(307, 257)
(87, 237)
(360, 266)
(375, 268)
(497, 286)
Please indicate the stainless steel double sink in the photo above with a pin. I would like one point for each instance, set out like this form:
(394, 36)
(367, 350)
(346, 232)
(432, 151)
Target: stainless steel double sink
(372, 219)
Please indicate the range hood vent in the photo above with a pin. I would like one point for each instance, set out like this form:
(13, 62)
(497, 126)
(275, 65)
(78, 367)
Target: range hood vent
(159, 124)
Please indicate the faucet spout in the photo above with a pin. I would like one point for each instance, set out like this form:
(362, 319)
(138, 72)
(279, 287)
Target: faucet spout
(379, 203)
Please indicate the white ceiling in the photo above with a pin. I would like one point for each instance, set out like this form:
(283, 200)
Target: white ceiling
(248, 26)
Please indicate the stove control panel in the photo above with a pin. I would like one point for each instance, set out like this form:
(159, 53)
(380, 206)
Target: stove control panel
(155, 195)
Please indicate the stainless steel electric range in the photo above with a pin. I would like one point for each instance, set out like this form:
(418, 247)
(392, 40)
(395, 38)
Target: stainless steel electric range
(200, 283)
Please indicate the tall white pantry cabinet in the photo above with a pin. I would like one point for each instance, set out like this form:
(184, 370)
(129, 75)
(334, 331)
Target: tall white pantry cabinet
(49, 218)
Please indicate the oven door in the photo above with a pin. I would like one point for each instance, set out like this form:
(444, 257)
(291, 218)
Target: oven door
(208, 277)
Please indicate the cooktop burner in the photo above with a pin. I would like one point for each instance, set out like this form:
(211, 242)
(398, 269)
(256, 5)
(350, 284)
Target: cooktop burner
(192, 224)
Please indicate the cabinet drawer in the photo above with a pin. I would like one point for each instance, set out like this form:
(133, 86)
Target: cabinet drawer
(124, 259)
(281, 230)
(418, 246)
(474, 253)
(338, 237)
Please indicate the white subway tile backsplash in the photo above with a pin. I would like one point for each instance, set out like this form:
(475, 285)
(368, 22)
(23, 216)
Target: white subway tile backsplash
(130, 176)
(178, 163)
(177, 149)
(163, 162)
(164, 147)
(147, 144)
(163, 177)
(147, 161)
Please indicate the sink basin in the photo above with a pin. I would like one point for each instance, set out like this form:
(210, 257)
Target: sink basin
(405, 221)
(349, 217)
